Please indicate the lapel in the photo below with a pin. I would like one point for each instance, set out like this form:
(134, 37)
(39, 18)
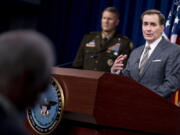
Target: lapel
(136, 66)
(98, 41)
(155, 53)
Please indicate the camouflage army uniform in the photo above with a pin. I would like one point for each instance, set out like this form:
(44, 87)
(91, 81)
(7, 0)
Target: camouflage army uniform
(96, 54)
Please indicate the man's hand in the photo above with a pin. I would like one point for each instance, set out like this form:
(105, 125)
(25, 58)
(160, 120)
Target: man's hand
(118, 64)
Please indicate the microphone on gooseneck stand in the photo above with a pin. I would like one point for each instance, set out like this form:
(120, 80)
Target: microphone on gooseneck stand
(98, 54)
(71, 62)
(91, 57)
(65, 64)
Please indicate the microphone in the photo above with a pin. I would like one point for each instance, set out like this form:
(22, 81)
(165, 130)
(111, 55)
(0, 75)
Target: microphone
(94, 56)
(97, 54)
(71, 62)
(91, 57)
(65, 64)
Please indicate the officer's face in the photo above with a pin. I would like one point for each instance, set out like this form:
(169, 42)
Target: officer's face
(109, 21)
(151, 27)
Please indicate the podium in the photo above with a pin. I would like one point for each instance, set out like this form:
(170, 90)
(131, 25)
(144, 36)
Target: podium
(99, 103)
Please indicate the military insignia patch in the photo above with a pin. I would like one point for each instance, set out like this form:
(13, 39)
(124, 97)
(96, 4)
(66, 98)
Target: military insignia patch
(110, 62)
(91, 44)
(115, 47)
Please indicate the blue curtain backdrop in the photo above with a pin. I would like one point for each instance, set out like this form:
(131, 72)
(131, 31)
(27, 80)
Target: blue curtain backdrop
(66, 21)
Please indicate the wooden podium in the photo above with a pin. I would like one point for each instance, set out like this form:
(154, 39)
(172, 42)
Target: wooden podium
(98, 103)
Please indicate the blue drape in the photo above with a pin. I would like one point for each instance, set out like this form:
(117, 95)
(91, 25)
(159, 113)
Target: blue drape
(66, 21)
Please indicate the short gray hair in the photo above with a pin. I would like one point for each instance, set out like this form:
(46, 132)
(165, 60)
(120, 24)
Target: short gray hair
(112, 10)
(154, 11)
(25, 50)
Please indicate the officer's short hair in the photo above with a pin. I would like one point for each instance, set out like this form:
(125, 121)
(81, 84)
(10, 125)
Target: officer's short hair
(154, 11)
(112, 10)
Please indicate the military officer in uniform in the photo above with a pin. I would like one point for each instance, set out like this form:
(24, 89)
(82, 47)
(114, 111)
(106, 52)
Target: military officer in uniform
(99, 50)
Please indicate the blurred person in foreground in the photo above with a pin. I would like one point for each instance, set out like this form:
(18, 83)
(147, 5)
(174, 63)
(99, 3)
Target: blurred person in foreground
(26, 58)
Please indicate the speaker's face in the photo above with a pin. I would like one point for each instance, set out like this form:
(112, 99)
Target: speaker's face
(151, 27)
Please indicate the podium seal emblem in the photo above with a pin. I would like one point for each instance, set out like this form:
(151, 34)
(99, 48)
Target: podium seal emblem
(47, 113)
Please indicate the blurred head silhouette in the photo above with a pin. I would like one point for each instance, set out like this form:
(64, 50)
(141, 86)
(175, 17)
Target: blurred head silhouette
(26, 58)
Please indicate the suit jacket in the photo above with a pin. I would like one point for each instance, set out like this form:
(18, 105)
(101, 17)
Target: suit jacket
(94, 54)
(161, 73)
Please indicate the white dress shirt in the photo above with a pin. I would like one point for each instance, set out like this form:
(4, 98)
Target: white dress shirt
(153, 46)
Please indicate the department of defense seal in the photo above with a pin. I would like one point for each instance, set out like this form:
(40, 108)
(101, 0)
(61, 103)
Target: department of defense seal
(47, 113)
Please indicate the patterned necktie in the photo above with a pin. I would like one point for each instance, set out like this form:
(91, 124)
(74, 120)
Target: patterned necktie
(144, 59)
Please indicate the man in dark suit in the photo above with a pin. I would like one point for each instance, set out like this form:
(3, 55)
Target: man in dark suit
(98, 50)
(156, 64)
(26, 58)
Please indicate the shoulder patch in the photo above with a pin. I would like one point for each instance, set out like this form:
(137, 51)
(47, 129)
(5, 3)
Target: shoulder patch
(131, 45)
